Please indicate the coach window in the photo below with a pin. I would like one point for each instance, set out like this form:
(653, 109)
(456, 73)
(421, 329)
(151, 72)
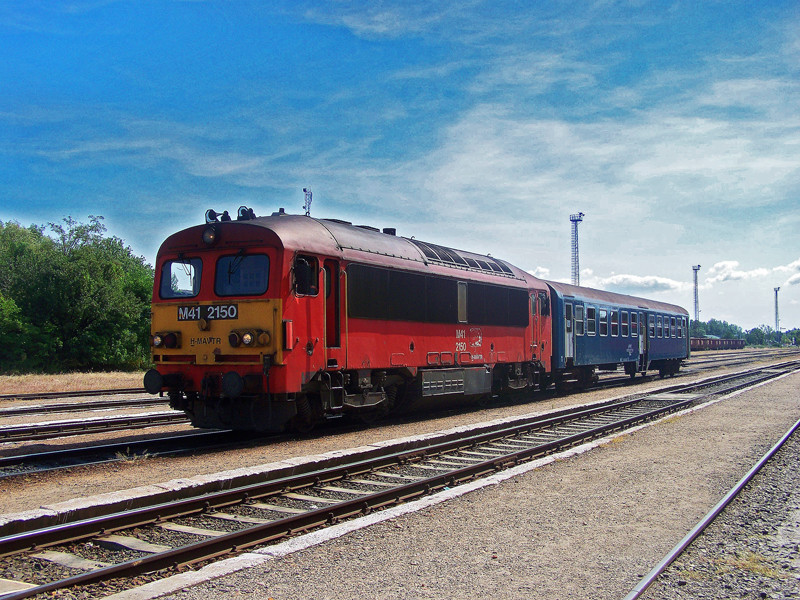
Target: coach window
(306, 275)
(568, 317)
(578, 319)
(180, 278)
(624, 323)
(652, 326)
(672, 326)
(680, 327)
(615, 323)
(659, 329)
(603, 321)
(591, 320)
(634, 325)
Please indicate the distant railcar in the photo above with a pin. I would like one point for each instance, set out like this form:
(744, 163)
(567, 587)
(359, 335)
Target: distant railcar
(710, 343)
(267, 323)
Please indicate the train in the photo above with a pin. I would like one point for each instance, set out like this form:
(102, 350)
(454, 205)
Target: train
(712, 343)
(286, 321)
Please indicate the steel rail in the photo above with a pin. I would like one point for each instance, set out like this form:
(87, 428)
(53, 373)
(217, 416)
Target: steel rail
(39, 431)
(71, 394)
(79, 406)
(150, 447)
(650, 578)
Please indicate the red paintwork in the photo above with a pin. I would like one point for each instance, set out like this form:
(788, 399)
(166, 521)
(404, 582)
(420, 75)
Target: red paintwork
(364, 343)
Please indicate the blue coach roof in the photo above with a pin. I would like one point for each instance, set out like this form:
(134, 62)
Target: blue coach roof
(601, 296)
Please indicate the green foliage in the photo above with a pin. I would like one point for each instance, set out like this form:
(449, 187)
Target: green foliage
(713, 327)
(76, 300)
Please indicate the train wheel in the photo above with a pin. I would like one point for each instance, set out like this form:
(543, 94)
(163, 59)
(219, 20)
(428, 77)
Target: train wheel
(303, 421)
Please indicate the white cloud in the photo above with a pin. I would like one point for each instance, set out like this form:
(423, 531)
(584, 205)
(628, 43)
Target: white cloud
(636, 284)
(728, 270)
(540, 272)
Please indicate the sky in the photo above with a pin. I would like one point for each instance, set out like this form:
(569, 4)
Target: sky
(480, 125)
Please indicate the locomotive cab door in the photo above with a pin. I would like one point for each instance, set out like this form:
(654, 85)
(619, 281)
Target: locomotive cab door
(334, 350)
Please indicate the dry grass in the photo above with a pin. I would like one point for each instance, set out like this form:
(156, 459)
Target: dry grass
(752, 562)
(28, 384)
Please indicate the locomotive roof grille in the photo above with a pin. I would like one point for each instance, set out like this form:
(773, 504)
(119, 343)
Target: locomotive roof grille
(452, 258)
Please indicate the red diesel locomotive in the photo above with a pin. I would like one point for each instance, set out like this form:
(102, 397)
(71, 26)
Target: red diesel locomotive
(263, 323)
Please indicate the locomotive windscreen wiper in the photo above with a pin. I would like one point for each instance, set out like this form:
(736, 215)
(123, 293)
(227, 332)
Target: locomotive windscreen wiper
(234, 265)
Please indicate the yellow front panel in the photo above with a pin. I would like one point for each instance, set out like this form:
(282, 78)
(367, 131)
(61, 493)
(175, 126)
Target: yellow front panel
(204, 329)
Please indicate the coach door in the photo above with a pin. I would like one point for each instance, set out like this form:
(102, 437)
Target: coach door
(569, 335)
(643, 342)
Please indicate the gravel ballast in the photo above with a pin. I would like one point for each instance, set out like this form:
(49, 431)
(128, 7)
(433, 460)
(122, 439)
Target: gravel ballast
(586, 527)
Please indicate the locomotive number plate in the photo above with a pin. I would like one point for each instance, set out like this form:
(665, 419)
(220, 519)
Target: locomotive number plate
(214, 312)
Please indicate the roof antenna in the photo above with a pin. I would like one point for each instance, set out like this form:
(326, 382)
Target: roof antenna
(307, 204)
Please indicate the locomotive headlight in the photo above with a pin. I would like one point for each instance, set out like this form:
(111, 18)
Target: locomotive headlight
(234, 339)
(248, 338)
(210, 235)
(157, 340)
(171, 340)
(264, 338)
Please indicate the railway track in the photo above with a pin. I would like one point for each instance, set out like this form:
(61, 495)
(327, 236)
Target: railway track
(40, 431)
(153, 538)
(102, 453)
(71, 394)
(97, 454)
(47, 409)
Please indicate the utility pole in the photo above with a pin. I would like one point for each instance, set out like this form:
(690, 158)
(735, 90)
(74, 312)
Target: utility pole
(576, 269)
(777, 320)
(696, 268)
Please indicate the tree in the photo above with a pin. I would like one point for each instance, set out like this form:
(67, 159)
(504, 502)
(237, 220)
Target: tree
(81, 298)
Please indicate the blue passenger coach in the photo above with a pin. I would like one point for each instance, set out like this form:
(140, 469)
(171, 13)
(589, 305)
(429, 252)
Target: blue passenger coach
(594, 329)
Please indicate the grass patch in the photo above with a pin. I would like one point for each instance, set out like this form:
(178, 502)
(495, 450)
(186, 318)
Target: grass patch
(128, 457)
(752, 562)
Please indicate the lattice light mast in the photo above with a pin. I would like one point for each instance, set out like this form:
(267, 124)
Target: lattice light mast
(307, 204)
(576, 269)
(777, 320)
(696, 268)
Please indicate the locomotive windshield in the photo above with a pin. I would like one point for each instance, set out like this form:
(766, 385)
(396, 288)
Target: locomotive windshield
(242, 275)
(181, 278)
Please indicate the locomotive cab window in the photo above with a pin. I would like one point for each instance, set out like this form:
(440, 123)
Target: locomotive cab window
(544, 304)
(242, 275)
(306, 275)
(180, 278)
(591, 320)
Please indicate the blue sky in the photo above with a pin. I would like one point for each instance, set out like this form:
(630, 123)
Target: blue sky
(674, 126)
